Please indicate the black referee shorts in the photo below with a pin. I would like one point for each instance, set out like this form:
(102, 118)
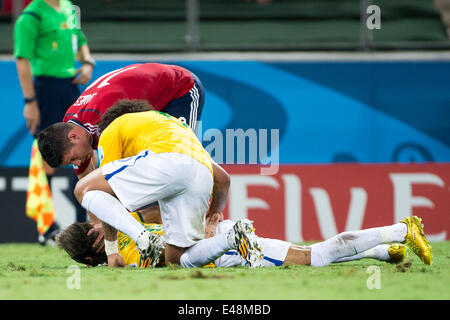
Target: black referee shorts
(54, 96)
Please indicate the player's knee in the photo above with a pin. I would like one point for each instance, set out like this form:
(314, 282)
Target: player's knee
(344, 237)
(185, 262)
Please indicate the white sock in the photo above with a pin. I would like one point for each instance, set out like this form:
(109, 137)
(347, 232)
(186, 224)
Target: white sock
(354, 242)
(109, 210)
(379, 252)
(394, 233)
(205, 251)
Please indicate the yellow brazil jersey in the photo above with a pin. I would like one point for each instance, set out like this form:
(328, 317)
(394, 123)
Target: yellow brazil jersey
(127, 247)
(156, 131)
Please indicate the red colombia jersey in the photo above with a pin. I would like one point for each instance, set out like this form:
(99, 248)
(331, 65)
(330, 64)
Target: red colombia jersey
(156, 83)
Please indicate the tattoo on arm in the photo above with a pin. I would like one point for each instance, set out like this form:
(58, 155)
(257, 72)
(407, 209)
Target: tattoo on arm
(110, 233)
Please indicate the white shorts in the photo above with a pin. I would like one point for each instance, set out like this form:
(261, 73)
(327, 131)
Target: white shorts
(181, 185)
(274, 250)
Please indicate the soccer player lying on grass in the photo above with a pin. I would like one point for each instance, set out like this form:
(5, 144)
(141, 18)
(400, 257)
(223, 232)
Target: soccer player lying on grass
(77, 240)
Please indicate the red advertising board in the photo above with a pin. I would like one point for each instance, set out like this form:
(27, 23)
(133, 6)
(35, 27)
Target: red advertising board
(314, 202)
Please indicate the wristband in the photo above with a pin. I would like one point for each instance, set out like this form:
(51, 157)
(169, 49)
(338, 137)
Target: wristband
(30, 99)
(111, 247)
(91, 62)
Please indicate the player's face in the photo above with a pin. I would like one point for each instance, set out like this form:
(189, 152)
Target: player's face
(78, 153)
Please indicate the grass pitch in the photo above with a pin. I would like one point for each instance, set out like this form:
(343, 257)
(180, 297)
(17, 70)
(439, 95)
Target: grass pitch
(30, 271)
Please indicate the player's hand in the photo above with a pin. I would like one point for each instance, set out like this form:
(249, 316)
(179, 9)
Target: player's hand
(83, 74)
(32, 116)
(99, 243)
(212, 220)
(115, 260)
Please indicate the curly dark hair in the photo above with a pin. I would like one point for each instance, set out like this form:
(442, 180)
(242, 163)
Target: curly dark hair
(121, 107)
(53, 143)
(78, 245)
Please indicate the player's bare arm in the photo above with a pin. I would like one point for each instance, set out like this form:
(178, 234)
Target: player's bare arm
(219, 199)
(115, 260)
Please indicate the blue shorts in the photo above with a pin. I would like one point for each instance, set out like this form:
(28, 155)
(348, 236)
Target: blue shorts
(54, 96)
(189, 106)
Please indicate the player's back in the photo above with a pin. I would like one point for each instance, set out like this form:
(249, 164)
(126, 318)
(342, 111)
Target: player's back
(156, 83)
(156, 131)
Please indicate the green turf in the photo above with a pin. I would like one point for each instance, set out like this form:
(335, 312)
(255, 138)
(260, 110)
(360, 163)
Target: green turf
(29, 271)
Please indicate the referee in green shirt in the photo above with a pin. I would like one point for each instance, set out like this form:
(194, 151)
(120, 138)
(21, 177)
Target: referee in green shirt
(47, 40)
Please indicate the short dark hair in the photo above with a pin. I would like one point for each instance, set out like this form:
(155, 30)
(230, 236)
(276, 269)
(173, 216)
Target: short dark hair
(53, 143)
(120, 107)
(78, 245)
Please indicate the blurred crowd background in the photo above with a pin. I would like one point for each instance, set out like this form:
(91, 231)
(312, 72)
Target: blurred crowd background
(193, 25)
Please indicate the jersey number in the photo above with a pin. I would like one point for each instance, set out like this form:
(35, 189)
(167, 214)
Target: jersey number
(106, 77)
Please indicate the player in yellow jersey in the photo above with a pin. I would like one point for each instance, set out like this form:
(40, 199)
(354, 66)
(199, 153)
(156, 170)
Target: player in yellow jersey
(78, 239)
(127, 247)
(151, 156)
(276, 252)
(72, 143)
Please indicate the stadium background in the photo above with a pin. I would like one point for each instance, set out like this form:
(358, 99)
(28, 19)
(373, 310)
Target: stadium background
(362, 115)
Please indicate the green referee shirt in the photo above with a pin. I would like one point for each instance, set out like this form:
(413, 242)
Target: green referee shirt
(48, 38)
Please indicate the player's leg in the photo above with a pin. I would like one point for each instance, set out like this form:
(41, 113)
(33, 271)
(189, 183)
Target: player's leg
(354, 242)
(182, 187)
(184, 214)
(95, 194)
(409, 231)
(240, 239)
(151, 214)
(394, 253)
(146, 178)
(230, 258)
(276, 252)
(301, 255)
